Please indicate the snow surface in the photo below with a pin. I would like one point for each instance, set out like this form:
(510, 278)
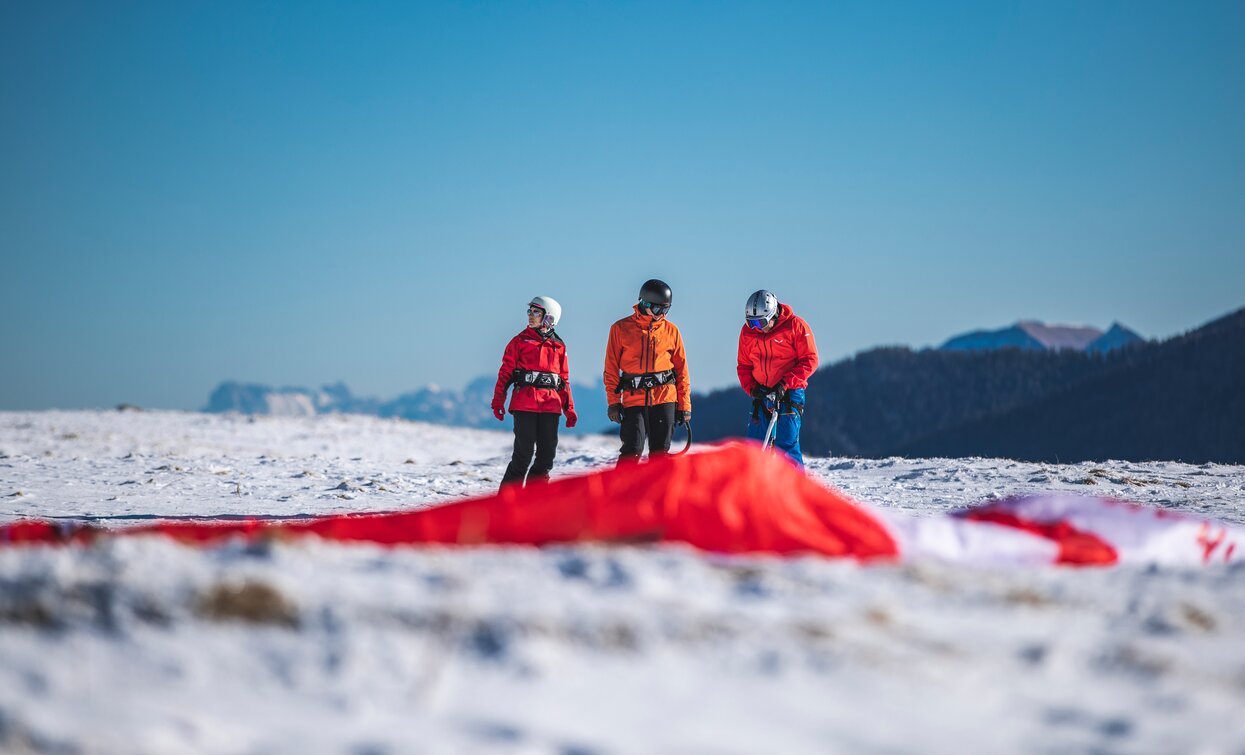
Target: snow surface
(142, 645)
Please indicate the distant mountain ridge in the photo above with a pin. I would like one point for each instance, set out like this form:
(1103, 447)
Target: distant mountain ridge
(470, 407)
(1038, 336)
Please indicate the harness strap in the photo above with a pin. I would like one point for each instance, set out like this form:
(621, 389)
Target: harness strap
(536, 379)
(758, 408)
(645, 381)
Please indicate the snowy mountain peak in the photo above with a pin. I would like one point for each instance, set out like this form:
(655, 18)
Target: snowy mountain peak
(1060, 336)
(1035, 335)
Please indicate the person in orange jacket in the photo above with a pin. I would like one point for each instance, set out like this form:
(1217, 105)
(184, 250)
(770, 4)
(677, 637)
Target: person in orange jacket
(534, 362)
(777, 355)
(646, 381)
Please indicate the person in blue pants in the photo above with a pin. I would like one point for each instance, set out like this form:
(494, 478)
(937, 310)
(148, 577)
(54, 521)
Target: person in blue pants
(787, 430)
(777, 355)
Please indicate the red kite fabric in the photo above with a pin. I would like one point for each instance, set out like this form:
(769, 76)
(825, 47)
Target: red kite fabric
(735, 498)
(1103, 531)
(732, 499)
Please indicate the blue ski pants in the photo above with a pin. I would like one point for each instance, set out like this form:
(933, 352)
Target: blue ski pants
(787, 430)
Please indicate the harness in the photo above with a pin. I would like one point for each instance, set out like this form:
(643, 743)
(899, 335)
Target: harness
(536, 379)
(758, 408)
(644, 381)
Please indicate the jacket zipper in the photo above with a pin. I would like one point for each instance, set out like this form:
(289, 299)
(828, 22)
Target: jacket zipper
(644, 346)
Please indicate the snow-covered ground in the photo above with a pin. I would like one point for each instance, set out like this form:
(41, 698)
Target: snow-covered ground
(142, 645)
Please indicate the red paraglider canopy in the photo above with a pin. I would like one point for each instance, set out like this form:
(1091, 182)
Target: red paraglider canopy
(732, 499)
(735, 498)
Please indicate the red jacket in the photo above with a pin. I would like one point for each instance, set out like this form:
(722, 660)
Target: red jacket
(532, 350)
(787, 353)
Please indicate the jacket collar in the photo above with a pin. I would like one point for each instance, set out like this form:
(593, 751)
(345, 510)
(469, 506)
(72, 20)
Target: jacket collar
(643, 320)
(552, 335)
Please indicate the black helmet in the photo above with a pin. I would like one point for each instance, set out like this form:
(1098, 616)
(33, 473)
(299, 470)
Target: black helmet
(655, 297)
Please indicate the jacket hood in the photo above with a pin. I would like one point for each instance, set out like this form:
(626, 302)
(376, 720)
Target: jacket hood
(784, 316)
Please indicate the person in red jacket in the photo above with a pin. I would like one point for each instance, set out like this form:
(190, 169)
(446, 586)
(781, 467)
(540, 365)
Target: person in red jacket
(777, 355)
(534, 362)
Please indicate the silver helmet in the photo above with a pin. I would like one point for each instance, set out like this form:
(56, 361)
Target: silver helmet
(762, 307)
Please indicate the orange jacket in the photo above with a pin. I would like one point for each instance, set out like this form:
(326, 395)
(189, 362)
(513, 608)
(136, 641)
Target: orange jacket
(787, 353)
(640, 344)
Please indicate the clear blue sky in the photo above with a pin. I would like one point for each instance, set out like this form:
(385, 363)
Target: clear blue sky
(297, 193)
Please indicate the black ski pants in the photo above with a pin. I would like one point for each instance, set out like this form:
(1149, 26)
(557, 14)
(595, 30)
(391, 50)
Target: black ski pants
(538, 430)
(654, 422)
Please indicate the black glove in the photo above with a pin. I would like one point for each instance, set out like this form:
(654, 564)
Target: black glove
(763, 391)
(615, 413)
(682, 417)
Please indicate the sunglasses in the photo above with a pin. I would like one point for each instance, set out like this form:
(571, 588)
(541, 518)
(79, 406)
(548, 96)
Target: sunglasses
(654, 309)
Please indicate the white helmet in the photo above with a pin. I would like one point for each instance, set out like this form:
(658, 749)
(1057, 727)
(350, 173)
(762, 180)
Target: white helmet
(553, 310)
(762, 305)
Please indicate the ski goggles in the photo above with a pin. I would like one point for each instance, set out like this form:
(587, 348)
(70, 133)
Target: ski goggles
(654, 309)
(535, 311)
(756, 323)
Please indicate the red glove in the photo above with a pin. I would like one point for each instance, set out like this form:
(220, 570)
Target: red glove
(571, 418)
(499, 412)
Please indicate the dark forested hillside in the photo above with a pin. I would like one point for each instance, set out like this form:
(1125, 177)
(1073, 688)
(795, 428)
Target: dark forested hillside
(1182, 398)
(879, 400)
